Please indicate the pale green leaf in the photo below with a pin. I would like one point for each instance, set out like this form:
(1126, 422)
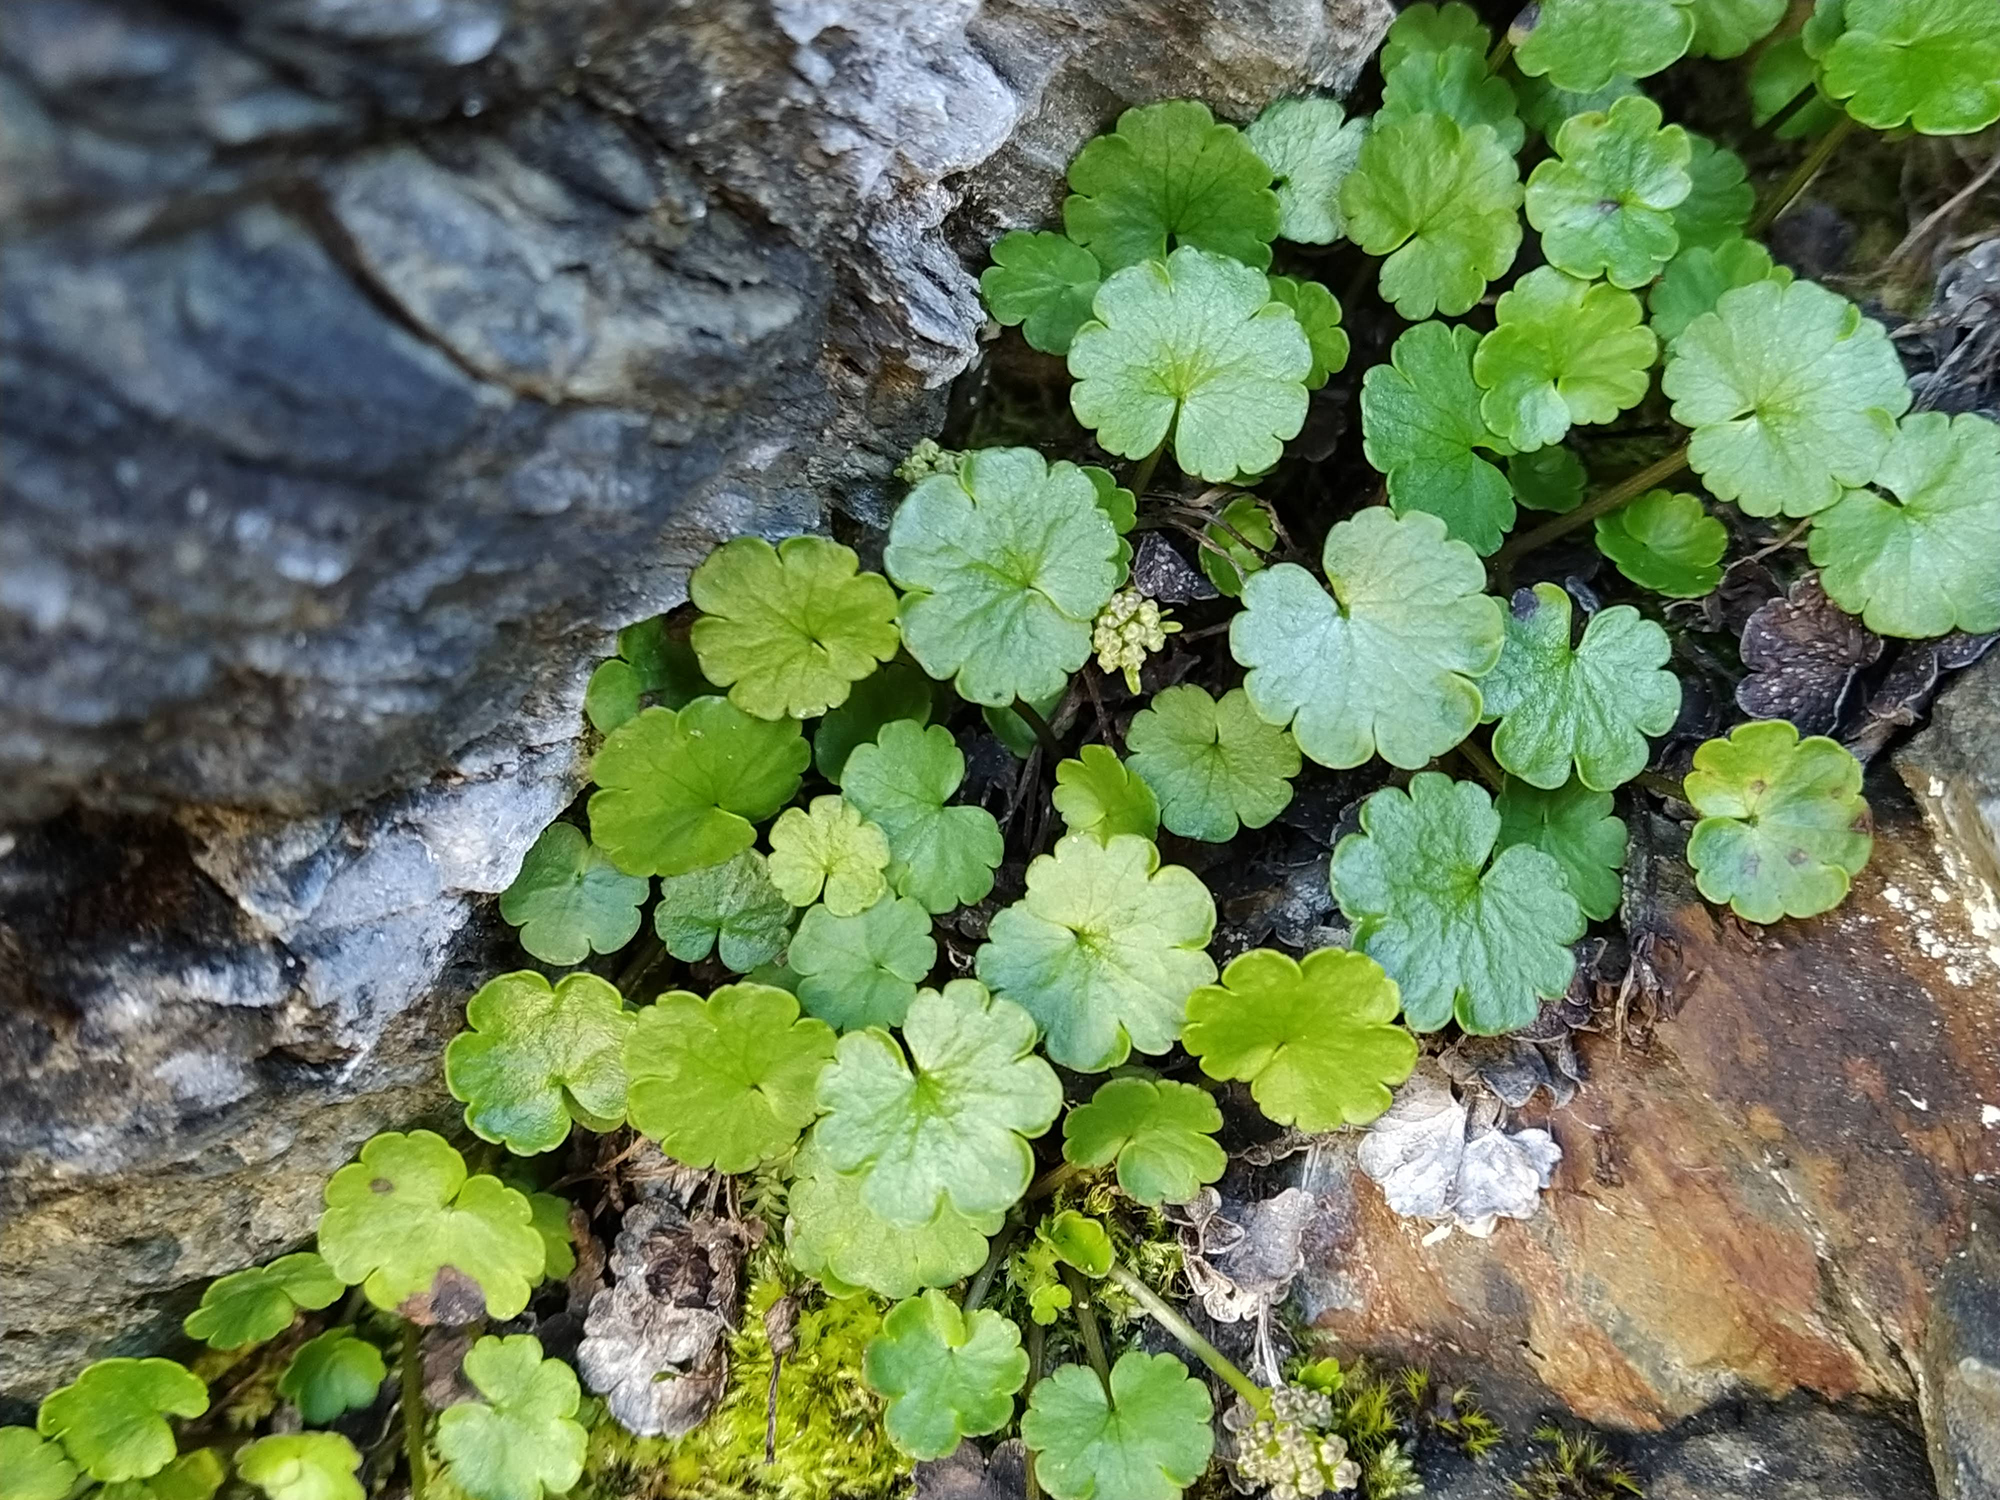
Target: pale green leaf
(1160, 1134)
(523, 1440)
(31, 1469)
(1583, 45)
(1247, 518)
(533, 1058)
(1665, 542)
(1453, 82)
(831, 1233)
(947, 1375)
(1213, 764)
(1310, 145)
(863, 970)
(1932, 63)
(303, 1466)
(1429, 28)
(1564, 352)
(829, 847)
(1605, 203)
(1099, 795)
(1147, 1440)
(255, 1306)
(112, 1420)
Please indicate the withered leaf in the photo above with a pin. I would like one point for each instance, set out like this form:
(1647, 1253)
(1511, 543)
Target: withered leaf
(1803, 652)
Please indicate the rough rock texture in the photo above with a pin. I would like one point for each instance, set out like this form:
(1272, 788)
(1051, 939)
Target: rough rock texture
(365, 365)
(1795, 1185)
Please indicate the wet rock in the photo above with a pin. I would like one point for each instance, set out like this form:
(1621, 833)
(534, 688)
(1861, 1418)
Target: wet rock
(1798, 1450)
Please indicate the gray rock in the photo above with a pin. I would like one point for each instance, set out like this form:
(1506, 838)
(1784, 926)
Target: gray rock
(1797, 1450)
(366, 365)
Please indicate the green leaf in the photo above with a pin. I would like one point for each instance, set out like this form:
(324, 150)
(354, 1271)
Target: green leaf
(950, 1123)
(650, 668)
(570, 899)
(332, 1375)
(1592, 705)
(1485, 943)
(303, 1466)
(1783, 71)
(1455, 83)
(1572, 825)
(533, 1058)
(1441, 203)
(831, 1233)
(898, 691)
(1159, 1133)
(112, 1419)
(731, 909)
(1316, 1041)
(863, 970)
(1783, 825)
(1003, 566)
(1564, 351)
(1013, 731)
(1386, 664)
(1036, 1271)
(1043, 283)
(1792, 394)
(1550, 478)
(1426, 28)
(1148, 1440)
(1718, 204)
(1823, 28)
(192, 1476)
(551, 1220)
(1695, 280)
(1605, 205)
(255, 1306)
(946, 1375)
(1103, 950)
(31, 1469)
(1171, 175)
(523, 1440)
(1194, 350)
(830, 847)
(789, 629)
(1545, 108)
(1318, 312)
(680, 790)
(1246, 516)
(1100, 796)
(1927, 561)
(1310, 145)
(1213, 765)
(407, 1212)
(1583, 45)
(941, 857)
(1420, 422)
(1729, 28)
(727, 1082)
(1665, 542)
(1933, 63)
(1079, 1241)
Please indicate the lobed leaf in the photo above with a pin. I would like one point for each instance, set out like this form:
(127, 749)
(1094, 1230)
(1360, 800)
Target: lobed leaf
(1426, 28)
(1695, 280)
(1103, 950)
(1483, 942)
(1193, 350)
(1729, 28)
(1665, 542)
(898, 691)
(1148, 1438)
(1316, 1041)
(1564, 352)
(947, 1375)
(829, 847)
(1550, 478)
(191, 1476)
(1158, 1132)
(1605, 203)
(1097, 794)
(1719, 200)
(1932, 63)
(303, 1466)
(730, 909)
(950, 1122)
(1574, 826)
(727, 1082)
(1246, 517)
(1591, 705)
(112, 1420)
(941, 857)
(31, 1469)
(1582, 45)
(679, 791)
(1213, 765)
(1318, 312)
(570, 900)
(255, 1306)
(651, 668)
(1441, 203)
(1456, 83)
(831, 1233)
(1043, 283)
(1386, 664)
(789, 629)
(1783, 825)
(1079, 1242)
(1310, 146)
(863, 970)
(523, 1440)
(1545, 108)
(1420, 425)
(1004, 565)
(333, 1374)
(533, 1058)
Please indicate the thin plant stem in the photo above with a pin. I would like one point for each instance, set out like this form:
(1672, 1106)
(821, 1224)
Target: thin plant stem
(1204, 518)
(1502, 50)
(1156, 1307)
(413, 1407)
(1942, 212)
(1489, 772)
(1050, 1180)
(996, 1257)
(1590, 510)
(1086, 1320)
(1806, 171)
(1044, 736)
(1038, 1337)
(1143, 475)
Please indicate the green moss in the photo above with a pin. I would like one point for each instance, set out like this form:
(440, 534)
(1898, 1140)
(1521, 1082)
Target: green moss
(1579, 1468)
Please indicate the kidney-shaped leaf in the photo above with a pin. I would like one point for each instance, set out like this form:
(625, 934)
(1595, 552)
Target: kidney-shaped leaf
(947, 1375)
(31, 1469)
(863, 970)
(1004, 565)
(1487, 943)
(1783, 824)
(1386, 663)
(1454, 82)
(727, 1082)
(1582, 45)
(1316, 1041)
(1665, 542)
(1148, 1440)
(570, 900)
(303, 1466)
(1590, 706)
(523, 1440)
(1100, 795)
(1934, 63)
(949, 1123)
(651, 667)
(1562, 351)
(1604, 203)
(789, 629)
(250, 1307)
(1426, 28)
(1311, 145)
(828, 847)
(1195, 349)
(832, 1233)
(406, 1214)
(1161, 1134)
(1103, 949)
(1420, 425)
(1792, 394)
(1574, 826)
(679, 791)
(941, 857)
(333, 1374)
(112, 1420)
(1213, 764)
(535, 1057)
(1042, 282)
(731, 909)
(1695, 280)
